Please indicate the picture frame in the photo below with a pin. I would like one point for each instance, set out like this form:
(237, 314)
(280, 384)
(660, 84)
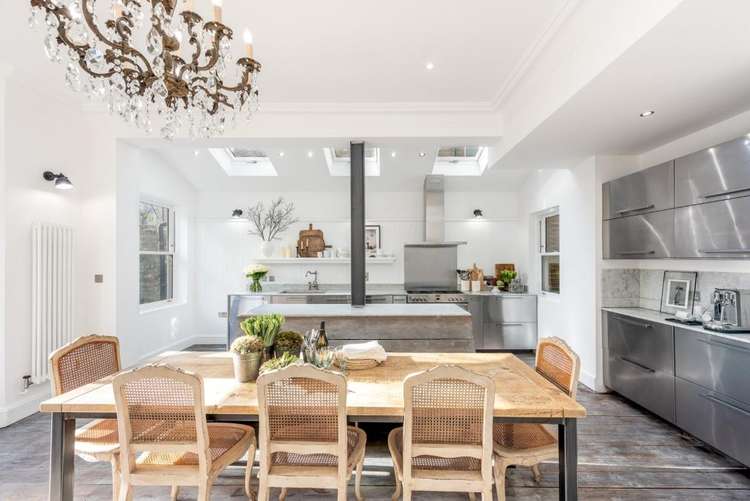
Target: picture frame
(678, 291)
(372, 239)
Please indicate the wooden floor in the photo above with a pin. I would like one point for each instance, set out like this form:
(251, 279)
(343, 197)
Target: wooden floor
(625, 453)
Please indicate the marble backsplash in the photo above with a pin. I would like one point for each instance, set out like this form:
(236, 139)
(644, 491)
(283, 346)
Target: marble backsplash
(642, 288)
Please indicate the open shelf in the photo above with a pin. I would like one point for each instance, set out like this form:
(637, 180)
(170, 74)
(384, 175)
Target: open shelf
(323, 260)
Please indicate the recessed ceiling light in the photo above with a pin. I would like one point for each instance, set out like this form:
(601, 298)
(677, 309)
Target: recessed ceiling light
(422, 153)
(197, 152)
(647, 113)
(281, 153)
(429, 66)
(309, 154)
(393, 154)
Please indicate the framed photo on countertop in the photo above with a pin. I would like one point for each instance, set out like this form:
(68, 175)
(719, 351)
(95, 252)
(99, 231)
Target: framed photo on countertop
(678, 291)
(372, 239)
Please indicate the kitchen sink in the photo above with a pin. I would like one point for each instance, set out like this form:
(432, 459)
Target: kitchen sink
(303, 291)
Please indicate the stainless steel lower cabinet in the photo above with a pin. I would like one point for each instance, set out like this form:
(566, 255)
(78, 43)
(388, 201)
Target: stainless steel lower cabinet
(718, 420)
(509, 336)
(509, 322)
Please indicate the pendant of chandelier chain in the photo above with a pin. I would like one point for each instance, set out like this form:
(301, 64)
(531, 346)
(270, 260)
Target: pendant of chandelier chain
(189, 94)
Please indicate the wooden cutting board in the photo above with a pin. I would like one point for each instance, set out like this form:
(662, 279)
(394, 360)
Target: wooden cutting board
(310, 242)
(504, 266)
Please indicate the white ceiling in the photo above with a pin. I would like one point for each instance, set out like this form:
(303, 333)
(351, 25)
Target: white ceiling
(298, 172)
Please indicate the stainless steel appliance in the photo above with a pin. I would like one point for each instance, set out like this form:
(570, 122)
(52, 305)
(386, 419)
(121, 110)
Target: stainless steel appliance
(729, 313)
(509, 322)
(431, 296)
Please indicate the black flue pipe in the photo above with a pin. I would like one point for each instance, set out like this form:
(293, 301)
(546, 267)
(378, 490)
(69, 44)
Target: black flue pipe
(357, 204)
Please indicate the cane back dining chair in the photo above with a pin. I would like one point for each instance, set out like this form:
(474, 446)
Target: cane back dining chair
(446, 441)
(164, 436)
(304, 439)
(528, 444)
(84, 361)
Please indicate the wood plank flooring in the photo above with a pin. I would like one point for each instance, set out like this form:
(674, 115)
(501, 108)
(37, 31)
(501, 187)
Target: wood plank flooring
(625, 453)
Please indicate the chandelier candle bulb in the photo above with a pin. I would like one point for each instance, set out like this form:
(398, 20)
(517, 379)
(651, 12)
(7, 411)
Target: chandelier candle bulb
(117, 9)
(248, 36)
(217, 9)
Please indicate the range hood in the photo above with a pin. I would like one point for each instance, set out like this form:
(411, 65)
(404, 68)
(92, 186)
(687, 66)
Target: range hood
(434, 214)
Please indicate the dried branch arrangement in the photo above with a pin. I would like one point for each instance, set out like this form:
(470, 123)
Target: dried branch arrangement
(270, 223)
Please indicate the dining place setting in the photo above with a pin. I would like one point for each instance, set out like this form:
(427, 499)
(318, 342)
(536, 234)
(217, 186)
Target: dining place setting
(294, 416)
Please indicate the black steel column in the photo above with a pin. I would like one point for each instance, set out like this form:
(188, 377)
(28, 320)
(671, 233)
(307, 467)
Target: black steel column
(357, 203)
(61, 458)
(567, 439)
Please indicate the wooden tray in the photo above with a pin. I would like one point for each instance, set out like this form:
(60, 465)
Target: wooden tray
(357, 364)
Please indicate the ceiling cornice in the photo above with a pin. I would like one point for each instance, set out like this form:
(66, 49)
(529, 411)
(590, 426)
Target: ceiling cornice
(385, 107)
(533, 52)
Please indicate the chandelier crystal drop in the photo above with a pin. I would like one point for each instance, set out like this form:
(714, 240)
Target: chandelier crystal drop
(175, 77)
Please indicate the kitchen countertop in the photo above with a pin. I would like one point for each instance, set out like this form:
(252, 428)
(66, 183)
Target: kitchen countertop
(370, 310)
(379, 291)
(499, 294)
(660, 318)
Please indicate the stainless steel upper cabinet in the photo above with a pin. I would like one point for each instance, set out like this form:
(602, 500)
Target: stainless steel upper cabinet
(718, 229)
(716, 173)
(649, 190)
(645, 236)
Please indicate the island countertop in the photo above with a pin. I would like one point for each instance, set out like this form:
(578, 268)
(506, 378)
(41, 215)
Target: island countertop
(370, 310)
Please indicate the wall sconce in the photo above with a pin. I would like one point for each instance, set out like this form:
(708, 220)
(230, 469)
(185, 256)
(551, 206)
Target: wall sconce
(61, 180)
(478, 214)
(237, 213)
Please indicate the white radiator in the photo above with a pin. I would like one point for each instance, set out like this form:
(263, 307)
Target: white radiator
(51, 294)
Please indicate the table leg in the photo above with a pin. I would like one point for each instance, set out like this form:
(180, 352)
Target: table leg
(62, 458)
(568, 447)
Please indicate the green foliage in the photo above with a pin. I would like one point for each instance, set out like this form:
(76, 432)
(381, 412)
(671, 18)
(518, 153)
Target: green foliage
(264, 326)
(279, 362)
(244, 345)
(507, 276)
(288, 341)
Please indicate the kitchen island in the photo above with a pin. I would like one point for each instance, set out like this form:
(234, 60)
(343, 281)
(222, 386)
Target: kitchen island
(398, 327)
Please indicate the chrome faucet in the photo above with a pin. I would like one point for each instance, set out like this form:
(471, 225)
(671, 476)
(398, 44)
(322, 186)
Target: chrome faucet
(314, 285)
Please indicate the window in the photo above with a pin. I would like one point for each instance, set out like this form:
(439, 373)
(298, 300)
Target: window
(549, 251)
(156, 253)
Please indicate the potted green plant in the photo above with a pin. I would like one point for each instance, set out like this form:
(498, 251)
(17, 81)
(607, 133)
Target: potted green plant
(279, 362)
(246, 354)
(256, 272)
(506, 277)
(265, 327)
(288, 342)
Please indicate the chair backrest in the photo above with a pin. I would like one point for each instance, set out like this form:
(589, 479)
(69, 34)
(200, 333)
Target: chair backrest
(83, 361)
(448, 413)
(302, 410)
(160, 409)
(558, 364)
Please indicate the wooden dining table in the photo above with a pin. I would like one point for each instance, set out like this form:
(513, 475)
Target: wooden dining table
(373, 395)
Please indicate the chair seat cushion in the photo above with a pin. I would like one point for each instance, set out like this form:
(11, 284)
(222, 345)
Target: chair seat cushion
(356, 441)
(97, 440)
(516, 437)
(427, 463)
(222, 439)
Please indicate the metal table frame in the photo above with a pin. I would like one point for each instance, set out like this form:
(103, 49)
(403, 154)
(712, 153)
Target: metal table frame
(62, 454)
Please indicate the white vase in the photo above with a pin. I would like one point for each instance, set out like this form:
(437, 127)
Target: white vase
(266, 249)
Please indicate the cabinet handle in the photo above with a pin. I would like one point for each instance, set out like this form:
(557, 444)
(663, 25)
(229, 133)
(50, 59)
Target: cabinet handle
(640, 366)
(725, 404)
(723, 345)
(633, 322)
(510, 324)
(636, 253)
(725, 251)
(726, 192)
(634, 209)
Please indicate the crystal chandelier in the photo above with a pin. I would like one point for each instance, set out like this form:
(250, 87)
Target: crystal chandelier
(180, 87)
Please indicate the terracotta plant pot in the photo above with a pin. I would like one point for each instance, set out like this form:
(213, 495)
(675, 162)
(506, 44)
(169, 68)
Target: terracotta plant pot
(246, 366)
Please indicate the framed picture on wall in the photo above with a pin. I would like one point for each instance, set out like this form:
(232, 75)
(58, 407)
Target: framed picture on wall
(372, 239)
(678, 291)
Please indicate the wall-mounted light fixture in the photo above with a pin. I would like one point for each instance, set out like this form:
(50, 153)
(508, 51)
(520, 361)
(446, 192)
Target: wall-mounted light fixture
(237, 213)
(478, 214)
(61, 180)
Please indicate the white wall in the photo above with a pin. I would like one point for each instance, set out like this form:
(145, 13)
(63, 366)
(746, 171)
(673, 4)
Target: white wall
(225, 247)
(143, 174)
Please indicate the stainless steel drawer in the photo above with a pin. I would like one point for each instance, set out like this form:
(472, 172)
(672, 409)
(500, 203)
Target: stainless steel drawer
(509, 336)
(714, 230)
(716, 173)
(639, 237)
(505, 309)
(649, 190)
(290, 299)
(714, 363)
(650, 388)
(714, 418)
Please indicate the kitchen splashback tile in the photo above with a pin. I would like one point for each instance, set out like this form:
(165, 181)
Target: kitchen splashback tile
(620, 288)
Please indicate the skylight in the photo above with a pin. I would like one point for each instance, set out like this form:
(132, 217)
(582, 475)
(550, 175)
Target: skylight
(461, 161)
(339, 161)
(243, 162)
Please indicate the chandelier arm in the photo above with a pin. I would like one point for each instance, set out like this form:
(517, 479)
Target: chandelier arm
(213, 52)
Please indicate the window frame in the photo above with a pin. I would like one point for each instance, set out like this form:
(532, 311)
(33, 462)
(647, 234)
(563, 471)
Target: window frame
(172, 251)
(542, 251)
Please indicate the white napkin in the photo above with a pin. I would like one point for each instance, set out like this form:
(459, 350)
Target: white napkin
(370, 350)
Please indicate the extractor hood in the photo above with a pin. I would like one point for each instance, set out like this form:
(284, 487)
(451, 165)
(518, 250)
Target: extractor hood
(434, 214)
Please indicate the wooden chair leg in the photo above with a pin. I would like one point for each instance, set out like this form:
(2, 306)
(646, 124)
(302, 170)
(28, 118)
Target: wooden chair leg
(115, 477)
(282, 495)
(249, 473)
(204, 490)
(175, 492)
(537, 473)
(487, 494)
(126, 492)
(263, 490)
(499, 468)
(472, 497)
(358, 480)
(397, 494)
(407, 493)
(341, 491)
